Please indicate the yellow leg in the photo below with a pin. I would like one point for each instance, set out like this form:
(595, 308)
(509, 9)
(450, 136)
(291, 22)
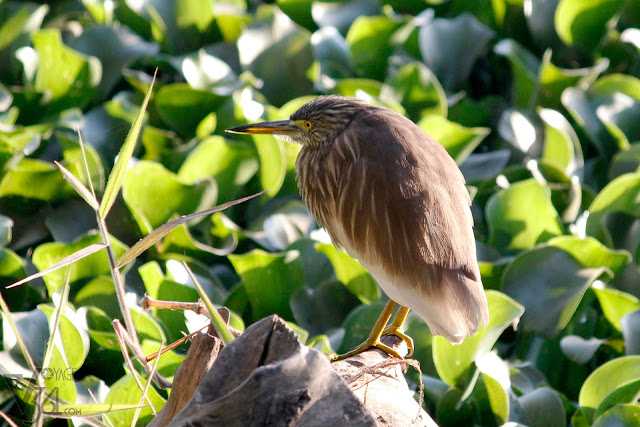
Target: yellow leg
(395, 328)
(379, 330)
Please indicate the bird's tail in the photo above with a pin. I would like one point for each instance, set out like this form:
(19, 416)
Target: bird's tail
(456, 308)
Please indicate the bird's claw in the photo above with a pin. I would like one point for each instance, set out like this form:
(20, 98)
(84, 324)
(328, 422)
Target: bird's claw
(391, 330)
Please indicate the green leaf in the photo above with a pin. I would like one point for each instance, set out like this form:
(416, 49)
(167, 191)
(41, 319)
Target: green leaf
(370, 46)
(273, 161)
(74, 340)
(627, 393)
(591, 253)
(69, 77)
(120, 167)
(459, 141)
(415, 88)
(524, 68)
(33, 179)
(521, 216)
(606, 111)
(616, 304)
(606, 379)
(154, 194)
(543, 408)
(550, 283)
(493, 398)
(274, 35)
(584, 22)
(351, 273)
(561, 144)
(230, 163)
(620, 195)
(50, 253)
(630, 325)
(620, 415)
(115, 47)
(126, 391)
(453, 362)
(323, 307)
(182, 107)
(578, 349)
(358, 325)
(270, 281)
(445, 47)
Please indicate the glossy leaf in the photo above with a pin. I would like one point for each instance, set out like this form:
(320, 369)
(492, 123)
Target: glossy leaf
(270, 281)
(550, 283)
(459, 141)
(513, 224)
(584, 22)
(616, 304)
(369, 43)
(453, 362)
(351, 273)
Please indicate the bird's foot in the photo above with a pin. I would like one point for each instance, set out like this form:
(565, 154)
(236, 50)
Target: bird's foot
(367, 345)
(393, 330)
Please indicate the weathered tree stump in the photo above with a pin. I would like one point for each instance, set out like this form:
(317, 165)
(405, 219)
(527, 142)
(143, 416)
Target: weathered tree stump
(266, 377)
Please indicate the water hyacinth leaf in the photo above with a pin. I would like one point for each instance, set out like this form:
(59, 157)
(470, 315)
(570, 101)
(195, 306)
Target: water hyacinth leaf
(67, 75)
(492, 399)
(521, 216)
(358, 325)
(182, 107)
(524, 67)
(299, 11)
(351, 273)
(620, 195)
(343, 14)
(415, 88)
(584, 23)
(616, 304)
(48, 254)
(115, 47)
(550, 283)
(205, 71)
(331, 51)
(370, 44)
(75, 256)
(126, 391)
(270, 281)
(627, 393)
(33, 330)
(273, 161)
(625, 161)
(154, 194)
(615, 99)
(323, 307)
(73, 341)
(620, 415)
(453, 362)
(33, 179)
(591, 253)
(561, 145)
(578, 349)
(459, 141)
(274, 35)
(554, 80)
(157, 234)
(482, 166)
(445, 51)
(543, 407)
(231, 163)
(120, 167)
(630, 325)
(606, 379)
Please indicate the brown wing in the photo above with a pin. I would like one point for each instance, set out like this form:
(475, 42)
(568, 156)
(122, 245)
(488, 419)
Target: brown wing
(397, 202)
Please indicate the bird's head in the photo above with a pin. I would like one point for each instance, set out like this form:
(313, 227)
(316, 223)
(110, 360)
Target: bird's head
(314, 124)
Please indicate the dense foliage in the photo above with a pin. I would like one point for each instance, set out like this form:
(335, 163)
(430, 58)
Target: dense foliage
(538, 101)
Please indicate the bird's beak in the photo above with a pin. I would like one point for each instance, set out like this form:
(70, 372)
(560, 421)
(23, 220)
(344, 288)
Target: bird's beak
(279, 127)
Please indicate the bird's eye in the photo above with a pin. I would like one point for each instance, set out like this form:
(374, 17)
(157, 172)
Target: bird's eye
(307, 125)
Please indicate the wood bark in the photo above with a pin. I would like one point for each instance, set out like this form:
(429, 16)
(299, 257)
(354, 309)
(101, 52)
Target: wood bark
(266, 377)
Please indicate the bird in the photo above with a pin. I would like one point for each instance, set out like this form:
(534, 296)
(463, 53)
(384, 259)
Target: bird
(395, 200)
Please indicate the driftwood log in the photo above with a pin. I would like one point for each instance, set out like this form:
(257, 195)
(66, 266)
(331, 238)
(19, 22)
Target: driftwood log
(266, 377)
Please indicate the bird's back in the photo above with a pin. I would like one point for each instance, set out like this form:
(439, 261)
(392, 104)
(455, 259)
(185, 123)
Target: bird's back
(396, 201)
